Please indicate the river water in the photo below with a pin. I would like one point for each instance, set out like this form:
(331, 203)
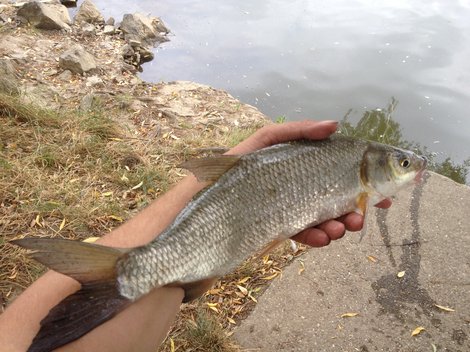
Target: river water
(320, 59)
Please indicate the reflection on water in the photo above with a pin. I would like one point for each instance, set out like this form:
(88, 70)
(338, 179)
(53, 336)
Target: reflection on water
(317, 59)
(379, 125)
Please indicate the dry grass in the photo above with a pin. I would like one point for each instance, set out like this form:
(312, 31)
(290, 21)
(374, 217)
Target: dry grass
(74, 176)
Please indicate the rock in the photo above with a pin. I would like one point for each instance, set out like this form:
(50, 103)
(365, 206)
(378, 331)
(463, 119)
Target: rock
(109, 29)
(88, 29)
(94, 81)
(125, 67)
(136, 105)
(146, 55)
(19, 57)
(110, 21)
(46, 15)
(8, 80)
(69, 3)
(7, 68)
(134, 43)
(65, 76)
(127, 52)
(88, 12)
(77, 60)
(4, 19)
(147, 30)
(86, 104)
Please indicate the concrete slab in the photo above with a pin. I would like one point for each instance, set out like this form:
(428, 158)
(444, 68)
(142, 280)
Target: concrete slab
(426, 235)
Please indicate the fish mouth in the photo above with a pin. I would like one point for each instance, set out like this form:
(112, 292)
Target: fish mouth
(420, 174)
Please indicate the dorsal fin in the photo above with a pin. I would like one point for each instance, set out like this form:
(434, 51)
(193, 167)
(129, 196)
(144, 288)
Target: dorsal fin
(210, 168)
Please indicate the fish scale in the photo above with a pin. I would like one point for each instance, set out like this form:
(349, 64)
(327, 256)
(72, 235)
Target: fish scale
(268, 195)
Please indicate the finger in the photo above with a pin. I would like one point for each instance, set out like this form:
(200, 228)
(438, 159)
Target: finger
(278, 133)
(385, 204)
(313, 237)
(352, 221)
(333, 228)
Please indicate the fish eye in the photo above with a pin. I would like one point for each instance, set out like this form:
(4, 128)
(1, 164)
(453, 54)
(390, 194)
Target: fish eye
(405, 163)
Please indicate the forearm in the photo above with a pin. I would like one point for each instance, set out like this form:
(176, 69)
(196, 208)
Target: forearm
(20, 322)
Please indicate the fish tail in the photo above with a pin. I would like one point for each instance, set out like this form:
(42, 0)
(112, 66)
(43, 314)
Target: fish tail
(97, 301)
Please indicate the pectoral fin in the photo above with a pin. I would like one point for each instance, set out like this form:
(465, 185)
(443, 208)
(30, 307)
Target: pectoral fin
(361, 203)
(210, 168)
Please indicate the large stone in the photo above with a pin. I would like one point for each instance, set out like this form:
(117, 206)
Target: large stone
(46, 15)
(88, 12)
(147, 30)
(8, 80)
(77, 60)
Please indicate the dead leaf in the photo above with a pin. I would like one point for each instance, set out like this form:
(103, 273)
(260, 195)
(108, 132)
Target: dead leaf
(270, 277)
(117, 218)
(349, 315)
(243, 290)
(447, 309)
(138, 185)
(372, 259)
(231, 321)
(37, 220)
(302, 267)
(401, 274)
(214, 291)
(107, 194)
(172, 345)
(214, 309)
(62, 224)
(12, 276)
(245, 279)
(417, 330)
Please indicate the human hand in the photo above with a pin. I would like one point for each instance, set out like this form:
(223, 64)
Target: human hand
(320, 235)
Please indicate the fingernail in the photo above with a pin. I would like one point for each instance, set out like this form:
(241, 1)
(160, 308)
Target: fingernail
(329, 122)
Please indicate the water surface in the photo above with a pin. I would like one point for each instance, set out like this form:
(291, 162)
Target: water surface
(316, 59)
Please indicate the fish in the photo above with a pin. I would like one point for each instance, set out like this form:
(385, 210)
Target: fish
(253, 202)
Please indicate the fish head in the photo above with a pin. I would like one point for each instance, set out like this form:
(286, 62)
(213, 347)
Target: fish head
(387, 169)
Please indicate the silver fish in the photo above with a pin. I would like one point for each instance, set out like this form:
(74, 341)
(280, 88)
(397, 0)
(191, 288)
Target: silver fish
(256, 201)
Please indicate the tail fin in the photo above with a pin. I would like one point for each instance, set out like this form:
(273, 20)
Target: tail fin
(98, 300)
